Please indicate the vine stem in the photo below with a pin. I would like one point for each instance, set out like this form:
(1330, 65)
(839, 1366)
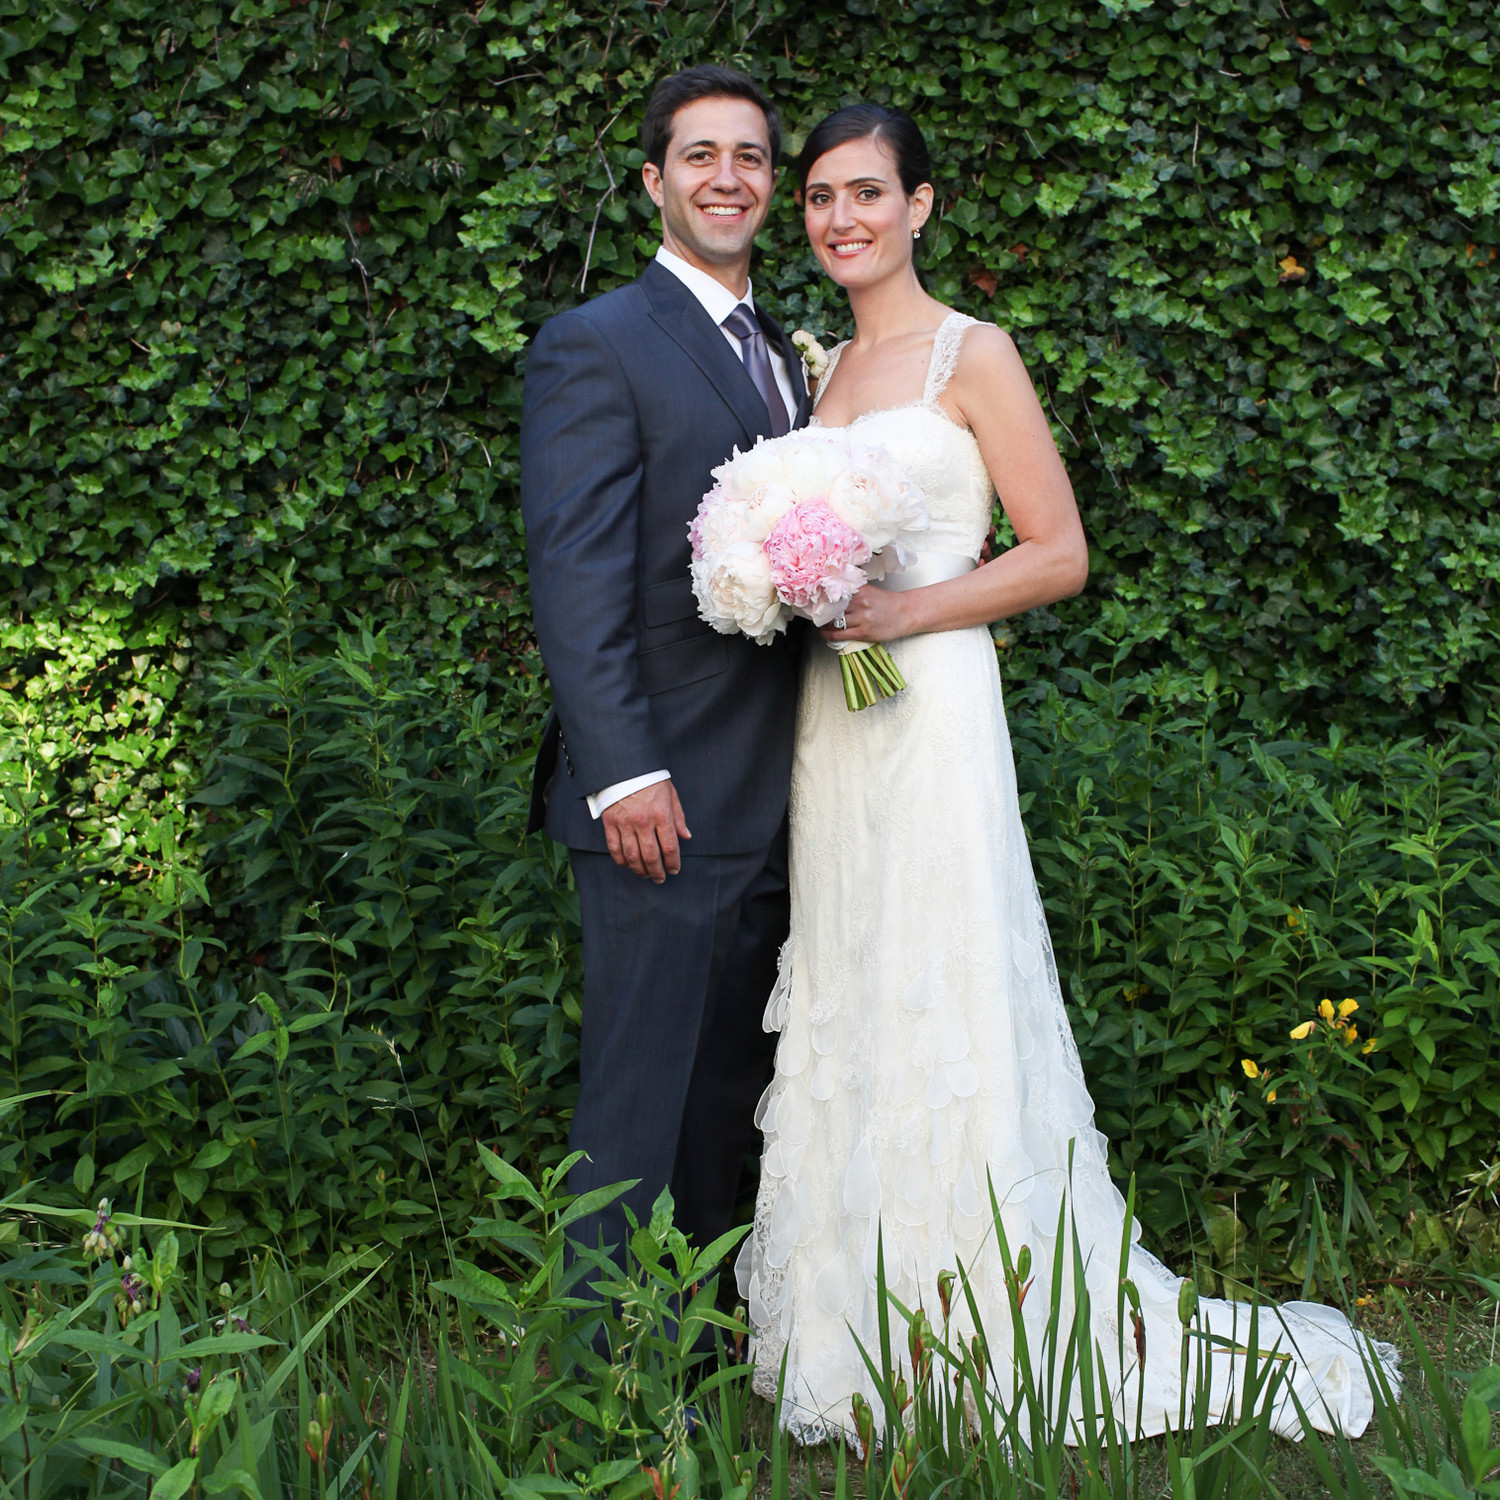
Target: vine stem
(15, 1391)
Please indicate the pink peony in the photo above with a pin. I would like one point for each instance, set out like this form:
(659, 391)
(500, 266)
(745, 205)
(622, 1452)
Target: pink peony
(814, 560)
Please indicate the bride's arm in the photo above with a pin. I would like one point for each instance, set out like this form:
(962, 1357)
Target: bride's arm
(1050, 561)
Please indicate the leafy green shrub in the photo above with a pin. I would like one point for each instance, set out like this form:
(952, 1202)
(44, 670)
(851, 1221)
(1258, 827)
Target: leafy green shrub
(377, 971)
(1207, 892)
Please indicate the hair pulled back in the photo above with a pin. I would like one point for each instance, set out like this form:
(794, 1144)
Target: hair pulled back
(892, 128)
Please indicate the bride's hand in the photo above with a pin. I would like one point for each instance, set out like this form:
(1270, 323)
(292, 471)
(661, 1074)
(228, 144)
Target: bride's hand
(872, 615)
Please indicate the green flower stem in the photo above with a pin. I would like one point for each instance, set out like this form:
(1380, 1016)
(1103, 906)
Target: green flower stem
(869, 675)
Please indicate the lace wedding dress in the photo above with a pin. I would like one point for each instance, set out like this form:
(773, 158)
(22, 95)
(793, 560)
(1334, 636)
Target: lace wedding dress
(925, 1052)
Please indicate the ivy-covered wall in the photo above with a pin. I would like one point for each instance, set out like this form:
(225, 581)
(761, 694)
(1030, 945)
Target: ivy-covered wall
(268, 270)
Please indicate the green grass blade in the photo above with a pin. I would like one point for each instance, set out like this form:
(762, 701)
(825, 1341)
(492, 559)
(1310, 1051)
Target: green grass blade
(395, 1437)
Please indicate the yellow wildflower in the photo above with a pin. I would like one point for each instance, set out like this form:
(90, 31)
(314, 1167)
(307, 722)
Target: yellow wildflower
(1294, 920)
(1368, 1047)
(1271, 1097)
(1351, 1034)
(1347, 1008)
(1251, 1071)
(1325, 1009)
(1302, 1032)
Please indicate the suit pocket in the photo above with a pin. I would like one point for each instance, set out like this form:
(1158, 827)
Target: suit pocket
(681, 663)
(666, 603)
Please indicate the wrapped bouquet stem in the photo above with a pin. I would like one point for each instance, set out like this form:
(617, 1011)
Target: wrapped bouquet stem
(869, 672)
(797, 526)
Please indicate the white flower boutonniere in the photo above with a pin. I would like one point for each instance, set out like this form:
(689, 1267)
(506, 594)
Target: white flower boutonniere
(814, 357)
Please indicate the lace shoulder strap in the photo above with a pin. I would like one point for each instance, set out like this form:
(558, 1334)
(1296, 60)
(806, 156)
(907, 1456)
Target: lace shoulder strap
(832, 365)
(946, 344)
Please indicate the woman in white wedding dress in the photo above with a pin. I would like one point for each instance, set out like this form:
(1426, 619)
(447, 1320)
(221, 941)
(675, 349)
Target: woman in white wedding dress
(925, 1052)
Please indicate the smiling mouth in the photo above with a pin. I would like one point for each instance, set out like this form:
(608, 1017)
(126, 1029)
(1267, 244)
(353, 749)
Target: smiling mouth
(725, 210)
(850, 247)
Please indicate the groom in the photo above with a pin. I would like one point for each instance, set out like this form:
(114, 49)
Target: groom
(661, 726)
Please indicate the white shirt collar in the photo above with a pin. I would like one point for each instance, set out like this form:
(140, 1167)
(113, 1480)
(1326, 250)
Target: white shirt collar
(716, 298)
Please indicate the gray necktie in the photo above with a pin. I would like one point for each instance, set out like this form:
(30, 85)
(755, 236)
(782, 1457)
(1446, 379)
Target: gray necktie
(741, 323)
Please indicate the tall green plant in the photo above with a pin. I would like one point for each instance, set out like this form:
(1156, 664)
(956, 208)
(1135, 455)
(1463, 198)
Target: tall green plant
(1057, 1418)
(528, 1372)
(301, 1047)
(125, 1372)
(1208, 890)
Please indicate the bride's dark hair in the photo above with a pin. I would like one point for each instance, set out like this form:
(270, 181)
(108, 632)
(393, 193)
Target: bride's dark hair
(892, 128)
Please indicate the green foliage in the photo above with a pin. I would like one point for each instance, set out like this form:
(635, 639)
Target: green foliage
(1446, 1452)
(391, 980)
(120, 1370)
(268, 270)
(128, 1367)
(1207, 892)
(303, 1046)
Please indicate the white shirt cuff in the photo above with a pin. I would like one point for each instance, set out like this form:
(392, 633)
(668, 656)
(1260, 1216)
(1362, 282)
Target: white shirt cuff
(621, 789)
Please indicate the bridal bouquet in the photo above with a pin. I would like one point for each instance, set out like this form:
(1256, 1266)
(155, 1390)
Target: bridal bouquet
(795, 527)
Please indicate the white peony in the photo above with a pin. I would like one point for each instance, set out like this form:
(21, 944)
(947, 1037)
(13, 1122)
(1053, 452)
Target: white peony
(905, 498)
(859, 500)
(905, 511)
(811, 465)
(747, 472)
(735, 592)
(765, 508)
(720, 523)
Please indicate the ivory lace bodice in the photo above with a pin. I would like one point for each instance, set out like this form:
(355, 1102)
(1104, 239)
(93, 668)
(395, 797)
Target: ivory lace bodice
(941, 457)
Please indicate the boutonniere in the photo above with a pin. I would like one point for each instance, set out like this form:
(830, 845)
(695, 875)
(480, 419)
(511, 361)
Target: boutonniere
(814, 357)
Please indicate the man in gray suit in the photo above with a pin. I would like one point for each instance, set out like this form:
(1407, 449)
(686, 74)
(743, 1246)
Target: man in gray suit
(661, 726)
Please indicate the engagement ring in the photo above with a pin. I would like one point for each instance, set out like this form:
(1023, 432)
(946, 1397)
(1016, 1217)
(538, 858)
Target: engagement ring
(838, 624)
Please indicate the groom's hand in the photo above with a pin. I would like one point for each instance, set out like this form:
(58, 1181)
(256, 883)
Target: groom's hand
(643, 830)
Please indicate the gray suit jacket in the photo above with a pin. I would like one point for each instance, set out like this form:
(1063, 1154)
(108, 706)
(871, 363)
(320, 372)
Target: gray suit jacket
(630, 401)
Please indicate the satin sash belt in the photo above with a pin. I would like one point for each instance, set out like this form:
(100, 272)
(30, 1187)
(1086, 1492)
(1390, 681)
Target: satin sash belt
(930, 567)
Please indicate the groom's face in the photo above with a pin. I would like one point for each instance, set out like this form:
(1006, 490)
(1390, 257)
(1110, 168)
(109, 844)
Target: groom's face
(714, 188)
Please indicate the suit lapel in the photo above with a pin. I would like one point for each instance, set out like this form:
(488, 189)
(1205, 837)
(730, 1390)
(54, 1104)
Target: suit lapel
(681, 317)
(783, 341)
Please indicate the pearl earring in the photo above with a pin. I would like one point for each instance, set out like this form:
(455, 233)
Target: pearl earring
(916, 234)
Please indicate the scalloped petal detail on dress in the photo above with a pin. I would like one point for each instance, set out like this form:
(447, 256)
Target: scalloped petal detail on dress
(862, 1195)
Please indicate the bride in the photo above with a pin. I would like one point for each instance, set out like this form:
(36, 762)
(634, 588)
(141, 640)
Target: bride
(925, 1054)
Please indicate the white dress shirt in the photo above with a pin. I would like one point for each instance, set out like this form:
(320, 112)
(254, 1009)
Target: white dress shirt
(718, 302)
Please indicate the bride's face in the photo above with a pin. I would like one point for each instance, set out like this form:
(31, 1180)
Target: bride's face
(858, 216)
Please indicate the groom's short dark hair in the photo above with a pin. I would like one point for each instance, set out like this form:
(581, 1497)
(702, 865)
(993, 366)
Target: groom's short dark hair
(706, 81)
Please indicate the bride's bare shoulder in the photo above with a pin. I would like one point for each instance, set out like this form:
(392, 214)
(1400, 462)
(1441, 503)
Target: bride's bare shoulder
(985, 343)
(988, 354)
(991, 384)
